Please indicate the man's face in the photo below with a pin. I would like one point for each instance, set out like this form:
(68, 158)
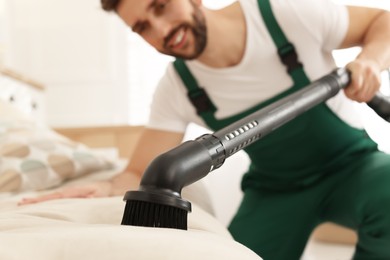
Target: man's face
(172, 27)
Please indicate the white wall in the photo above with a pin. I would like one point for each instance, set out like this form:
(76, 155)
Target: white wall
(95, 70)
(2, 31)
(75, 49)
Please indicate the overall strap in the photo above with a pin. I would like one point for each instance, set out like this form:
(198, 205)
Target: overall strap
(286, 50)
(197, 95)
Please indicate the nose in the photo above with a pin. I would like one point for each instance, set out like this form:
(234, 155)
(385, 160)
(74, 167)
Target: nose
(161, 27)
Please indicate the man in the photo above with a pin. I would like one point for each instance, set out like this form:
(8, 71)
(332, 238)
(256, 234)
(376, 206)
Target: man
(316, 168)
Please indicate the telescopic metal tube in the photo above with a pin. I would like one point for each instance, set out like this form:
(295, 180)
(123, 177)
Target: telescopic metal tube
(257, 125)
(165, 177)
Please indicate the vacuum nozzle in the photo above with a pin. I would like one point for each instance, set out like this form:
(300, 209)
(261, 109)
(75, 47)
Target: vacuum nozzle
(159, 195)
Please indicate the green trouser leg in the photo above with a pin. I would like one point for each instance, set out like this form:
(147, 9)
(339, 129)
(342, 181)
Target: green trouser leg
(277, 225)
(362, 203)
(274, 226)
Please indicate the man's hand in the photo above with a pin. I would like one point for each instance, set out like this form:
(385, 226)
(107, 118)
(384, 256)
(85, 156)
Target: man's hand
(365, 80)
(151, 143)
(93, 190)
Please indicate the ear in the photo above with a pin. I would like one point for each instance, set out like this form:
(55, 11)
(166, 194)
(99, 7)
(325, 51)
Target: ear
(197, 2)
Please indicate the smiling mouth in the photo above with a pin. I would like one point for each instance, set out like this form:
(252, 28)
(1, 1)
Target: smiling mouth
(177, 38)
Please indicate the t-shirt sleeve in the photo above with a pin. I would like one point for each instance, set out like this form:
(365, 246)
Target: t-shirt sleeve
(325, 20)
(335, 24)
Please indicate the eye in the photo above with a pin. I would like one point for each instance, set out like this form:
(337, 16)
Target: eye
(140, 27)
(160, 6)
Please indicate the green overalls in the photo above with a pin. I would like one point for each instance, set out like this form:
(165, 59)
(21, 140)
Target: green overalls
(313, 169)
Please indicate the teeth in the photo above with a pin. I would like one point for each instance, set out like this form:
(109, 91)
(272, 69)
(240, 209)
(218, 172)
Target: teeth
(179, 37)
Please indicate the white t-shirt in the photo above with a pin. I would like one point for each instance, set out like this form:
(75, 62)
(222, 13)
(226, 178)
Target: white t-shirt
(314, 27)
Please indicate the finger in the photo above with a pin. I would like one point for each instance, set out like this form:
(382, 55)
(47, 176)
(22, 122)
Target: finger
(25, 201)
(355, 86)
(356, 78)
(365, 94)
(370, 87)
(78, 193)
(50, 196)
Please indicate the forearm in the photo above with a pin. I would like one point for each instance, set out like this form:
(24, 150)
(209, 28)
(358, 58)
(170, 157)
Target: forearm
(149, 146)
(376, 42)
(123, 182)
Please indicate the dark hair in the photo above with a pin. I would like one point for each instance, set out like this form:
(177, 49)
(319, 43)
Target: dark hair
(109, 5)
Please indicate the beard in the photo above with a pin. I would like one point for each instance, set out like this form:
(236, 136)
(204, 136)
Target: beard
(199, 32)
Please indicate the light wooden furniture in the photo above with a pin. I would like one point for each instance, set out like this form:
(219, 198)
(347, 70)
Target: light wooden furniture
(123, 138)
(332, 233)
(23, 93)
(22, 78)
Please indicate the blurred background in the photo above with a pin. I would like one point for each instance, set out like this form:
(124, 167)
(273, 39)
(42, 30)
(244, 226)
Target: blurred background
(95, 71)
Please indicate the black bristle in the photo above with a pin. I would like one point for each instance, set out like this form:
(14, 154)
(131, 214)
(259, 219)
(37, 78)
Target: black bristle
(149, 214)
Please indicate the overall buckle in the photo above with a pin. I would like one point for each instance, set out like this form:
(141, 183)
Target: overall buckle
(289, 57)
(201, 101)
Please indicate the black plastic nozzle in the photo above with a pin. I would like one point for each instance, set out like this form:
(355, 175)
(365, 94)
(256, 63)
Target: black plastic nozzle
(159, 195)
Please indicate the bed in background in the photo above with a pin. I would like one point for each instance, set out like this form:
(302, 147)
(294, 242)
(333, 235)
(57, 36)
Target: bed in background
(89, 229)
(35, 160)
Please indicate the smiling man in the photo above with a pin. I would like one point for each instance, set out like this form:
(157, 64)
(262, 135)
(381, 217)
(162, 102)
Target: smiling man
(319, 167)
(158, 31)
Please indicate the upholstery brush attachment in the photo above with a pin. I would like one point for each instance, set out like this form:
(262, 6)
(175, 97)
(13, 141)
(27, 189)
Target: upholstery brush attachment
(158, 201)
(144, 210)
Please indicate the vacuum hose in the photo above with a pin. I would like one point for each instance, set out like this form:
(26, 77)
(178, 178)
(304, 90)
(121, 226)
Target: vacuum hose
(170, 172)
